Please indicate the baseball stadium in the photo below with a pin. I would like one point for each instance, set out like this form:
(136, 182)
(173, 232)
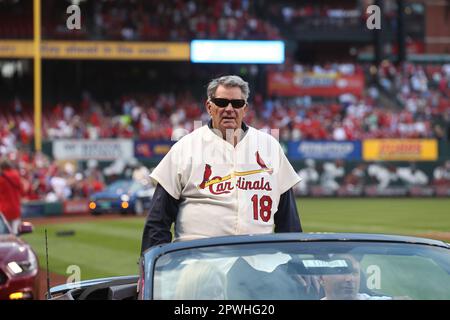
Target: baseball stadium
(94, 94)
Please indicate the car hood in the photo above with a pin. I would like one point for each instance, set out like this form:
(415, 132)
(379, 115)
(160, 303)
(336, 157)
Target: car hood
(12, 249)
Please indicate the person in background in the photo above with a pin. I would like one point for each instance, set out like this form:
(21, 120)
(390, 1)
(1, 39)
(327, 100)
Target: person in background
(441, 175)
(309, 176)
(11, 191)
(346, 286)
(333, 173)
(413, 176)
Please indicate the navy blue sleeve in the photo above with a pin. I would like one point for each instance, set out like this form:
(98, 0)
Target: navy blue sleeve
(163, 212)
(286, 218)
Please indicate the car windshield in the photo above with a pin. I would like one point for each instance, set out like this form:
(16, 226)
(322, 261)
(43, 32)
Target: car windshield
(307, 270)
(3, 228)
(124, 186)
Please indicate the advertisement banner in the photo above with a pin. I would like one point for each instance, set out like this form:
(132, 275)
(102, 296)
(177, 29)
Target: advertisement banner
(291, 84)
(400, 150)
(152, 149)
(16, 49)
(32, 209)
(442, 191)
(324, 150)
(78, 206)
(115, 50)
(38, 208)
(99, 50)
(421, 191)
(106, 149)
(374, 191)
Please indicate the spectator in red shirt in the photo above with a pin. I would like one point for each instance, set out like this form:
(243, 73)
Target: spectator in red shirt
(10, 194)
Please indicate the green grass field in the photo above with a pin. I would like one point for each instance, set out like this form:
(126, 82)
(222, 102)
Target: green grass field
(111, 247)
(398, 216)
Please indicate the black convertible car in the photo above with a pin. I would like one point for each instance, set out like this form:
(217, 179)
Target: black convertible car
(299, 266)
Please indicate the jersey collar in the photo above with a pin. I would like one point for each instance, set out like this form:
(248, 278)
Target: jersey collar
(244, 127)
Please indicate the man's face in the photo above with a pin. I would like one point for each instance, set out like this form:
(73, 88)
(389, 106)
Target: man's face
(227, 118)
(342, 286)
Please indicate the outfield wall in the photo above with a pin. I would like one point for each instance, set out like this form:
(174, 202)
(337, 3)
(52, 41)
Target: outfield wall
(38, 208)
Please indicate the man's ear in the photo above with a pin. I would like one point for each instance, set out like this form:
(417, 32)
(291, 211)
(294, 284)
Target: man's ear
(208, 106)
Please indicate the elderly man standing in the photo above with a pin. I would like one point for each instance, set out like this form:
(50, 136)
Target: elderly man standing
(225, 178)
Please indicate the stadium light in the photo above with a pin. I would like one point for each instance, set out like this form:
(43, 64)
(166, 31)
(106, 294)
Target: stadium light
(237, 51)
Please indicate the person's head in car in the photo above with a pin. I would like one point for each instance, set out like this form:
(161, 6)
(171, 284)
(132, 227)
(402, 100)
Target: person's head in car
(201, 280)
(342, 286)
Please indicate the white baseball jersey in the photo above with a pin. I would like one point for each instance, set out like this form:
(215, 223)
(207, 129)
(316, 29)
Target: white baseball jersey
(225, 190)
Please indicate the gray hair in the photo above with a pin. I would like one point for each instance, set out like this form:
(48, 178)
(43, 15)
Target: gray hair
(230, 81)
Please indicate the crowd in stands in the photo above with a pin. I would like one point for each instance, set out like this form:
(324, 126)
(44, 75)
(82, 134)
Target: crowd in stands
(315, 15)
(424, 91)
(293, 17)
(423, 94)
(16, 19)
(174, 20)
(295, 118)
(184, 20)
(180, 20)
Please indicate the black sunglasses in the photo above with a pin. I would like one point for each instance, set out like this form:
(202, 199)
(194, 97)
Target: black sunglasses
(222, 103)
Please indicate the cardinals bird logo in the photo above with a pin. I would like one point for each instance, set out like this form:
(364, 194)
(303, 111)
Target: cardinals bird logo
(206, 176)
(208, 172)
(260, 161)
